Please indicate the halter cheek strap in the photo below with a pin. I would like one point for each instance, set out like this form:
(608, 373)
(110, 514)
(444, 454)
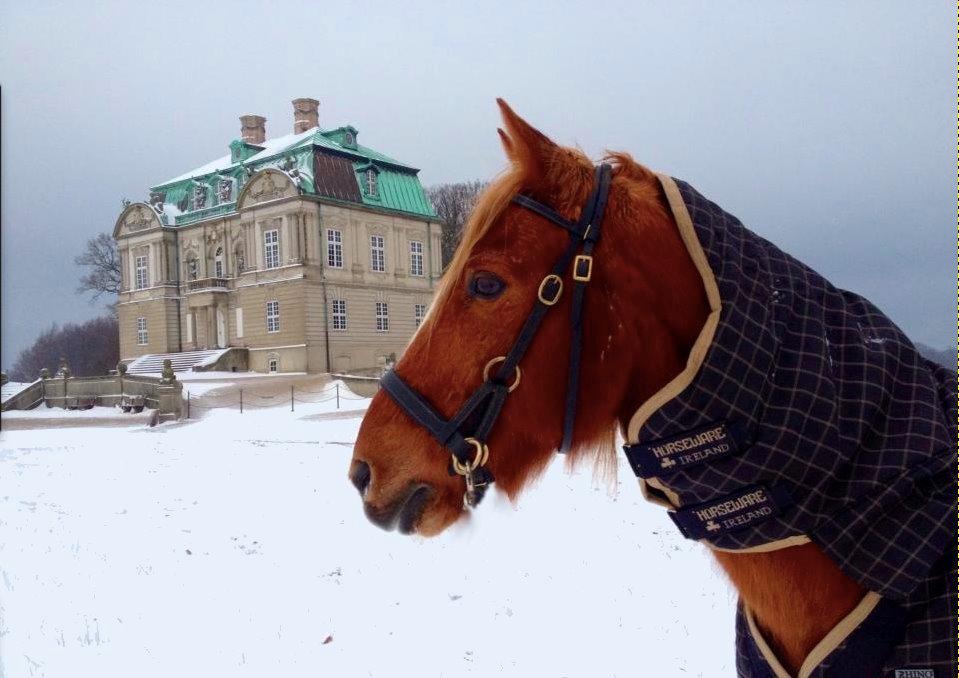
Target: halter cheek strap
(466, 432)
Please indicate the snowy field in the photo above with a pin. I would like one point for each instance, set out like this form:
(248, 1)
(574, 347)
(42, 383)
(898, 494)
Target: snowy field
(235, 546)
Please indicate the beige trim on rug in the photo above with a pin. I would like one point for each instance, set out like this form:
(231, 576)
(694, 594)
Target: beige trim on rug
(764, 648)
(685, 224)
(671, 500)
(824, 647)
(839, 633)
(795, 540)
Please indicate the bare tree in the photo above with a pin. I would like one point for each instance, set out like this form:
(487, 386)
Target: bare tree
(453, 204)
(103, 266)
(91, 348)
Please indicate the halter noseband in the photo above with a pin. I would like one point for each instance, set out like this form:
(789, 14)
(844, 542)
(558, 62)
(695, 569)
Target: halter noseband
(469, 451)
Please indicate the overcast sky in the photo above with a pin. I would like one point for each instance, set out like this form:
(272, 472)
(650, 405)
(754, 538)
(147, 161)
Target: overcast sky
(826, 127)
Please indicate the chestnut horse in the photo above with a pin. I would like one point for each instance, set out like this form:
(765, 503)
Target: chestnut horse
(646, 286)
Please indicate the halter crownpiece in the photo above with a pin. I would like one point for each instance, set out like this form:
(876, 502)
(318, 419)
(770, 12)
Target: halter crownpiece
(465, 434)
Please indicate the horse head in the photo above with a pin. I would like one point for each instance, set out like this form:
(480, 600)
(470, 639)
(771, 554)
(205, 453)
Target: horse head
(642, 310)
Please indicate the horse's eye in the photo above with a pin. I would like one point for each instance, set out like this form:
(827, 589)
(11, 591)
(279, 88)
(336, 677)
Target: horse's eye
(486, 285)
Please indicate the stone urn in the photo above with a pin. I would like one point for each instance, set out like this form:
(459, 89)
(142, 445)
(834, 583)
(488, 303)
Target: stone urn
(63, 372)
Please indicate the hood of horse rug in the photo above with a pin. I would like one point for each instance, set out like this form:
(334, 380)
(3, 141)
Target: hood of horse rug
(803, 414)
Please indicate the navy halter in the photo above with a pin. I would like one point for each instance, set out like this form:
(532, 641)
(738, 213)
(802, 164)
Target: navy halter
(465, 434)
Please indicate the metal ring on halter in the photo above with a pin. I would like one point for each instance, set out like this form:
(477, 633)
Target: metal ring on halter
(479, 458)
(551, 278)
(494, 361)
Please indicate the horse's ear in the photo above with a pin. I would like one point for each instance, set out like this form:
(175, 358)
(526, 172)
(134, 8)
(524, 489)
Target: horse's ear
(524, 144)
(507, 144)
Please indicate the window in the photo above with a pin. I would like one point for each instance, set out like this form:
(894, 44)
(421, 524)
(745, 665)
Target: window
(218, 263)
(339, 314)
(419, 312)
(371, 182)
(377, 253)
(273, 364)
(416, 257)
(271, 248)
(334, 248)
(382, 317)
(142, 273)
(239, 323)
(142, 337)
(192, 269)
(272, 316)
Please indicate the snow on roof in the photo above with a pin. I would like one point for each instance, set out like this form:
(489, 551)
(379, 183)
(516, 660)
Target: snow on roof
(270, 147)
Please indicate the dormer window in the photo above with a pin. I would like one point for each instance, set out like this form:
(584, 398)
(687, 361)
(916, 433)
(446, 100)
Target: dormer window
(371, 182)
(349, 140)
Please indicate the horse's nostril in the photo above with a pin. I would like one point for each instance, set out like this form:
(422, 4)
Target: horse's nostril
(360, 475)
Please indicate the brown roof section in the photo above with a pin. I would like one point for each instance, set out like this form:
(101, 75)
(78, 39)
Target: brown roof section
(333, 177)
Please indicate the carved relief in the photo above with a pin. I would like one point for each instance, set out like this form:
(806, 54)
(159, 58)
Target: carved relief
(190, 246)
(268, 188)
(139, 219)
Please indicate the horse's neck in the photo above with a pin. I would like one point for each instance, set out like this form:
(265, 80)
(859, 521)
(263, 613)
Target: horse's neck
(796, 595)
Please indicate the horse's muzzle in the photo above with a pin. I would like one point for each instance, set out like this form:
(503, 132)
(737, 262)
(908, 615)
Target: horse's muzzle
(402, 514)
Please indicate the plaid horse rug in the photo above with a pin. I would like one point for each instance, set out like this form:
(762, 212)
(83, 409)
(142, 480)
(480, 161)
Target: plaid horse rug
(805, 414)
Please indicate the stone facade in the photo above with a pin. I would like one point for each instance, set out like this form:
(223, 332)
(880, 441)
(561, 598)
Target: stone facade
(275, 274)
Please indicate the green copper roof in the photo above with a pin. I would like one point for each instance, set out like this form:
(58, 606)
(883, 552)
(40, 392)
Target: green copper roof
(196, 195)
(395, 190)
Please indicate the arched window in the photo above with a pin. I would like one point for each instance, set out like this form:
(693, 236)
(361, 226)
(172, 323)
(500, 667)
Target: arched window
(218, 267)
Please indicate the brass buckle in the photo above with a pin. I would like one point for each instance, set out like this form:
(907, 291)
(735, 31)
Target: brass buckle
(494, 361)
(480, 457)
(589, 268)
(542, 286)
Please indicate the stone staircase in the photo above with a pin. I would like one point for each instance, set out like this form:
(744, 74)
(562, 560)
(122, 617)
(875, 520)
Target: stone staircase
(12, 389)
(182, 362)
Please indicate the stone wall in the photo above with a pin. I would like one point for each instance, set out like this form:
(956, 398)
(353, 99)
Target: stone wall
(106, 391)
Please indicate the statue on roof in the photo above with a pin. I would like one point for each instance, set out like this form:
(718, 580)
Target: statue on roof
(224, 190)
(199, 196)
(157, 198)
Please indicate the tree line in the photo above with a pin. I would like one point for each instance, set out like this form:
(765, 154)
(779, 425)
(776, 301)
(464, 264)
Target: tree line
(93, 347)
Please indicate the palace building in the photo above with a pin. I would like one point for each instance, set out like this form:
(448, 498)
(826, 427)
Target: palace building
(309, 250)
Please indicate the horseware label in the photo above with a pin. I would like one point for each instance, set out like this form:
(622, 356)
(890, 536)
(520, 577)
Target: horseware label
(668, 455)
(733, 512)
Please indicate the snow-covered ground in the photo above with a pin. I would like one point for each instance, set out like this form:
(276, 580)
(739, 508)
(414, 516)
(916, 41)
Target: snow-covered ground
(235, 546)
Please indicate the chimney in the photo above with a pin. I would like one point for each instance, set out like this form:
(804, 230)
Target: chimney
(253, 129)
(306, 114)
